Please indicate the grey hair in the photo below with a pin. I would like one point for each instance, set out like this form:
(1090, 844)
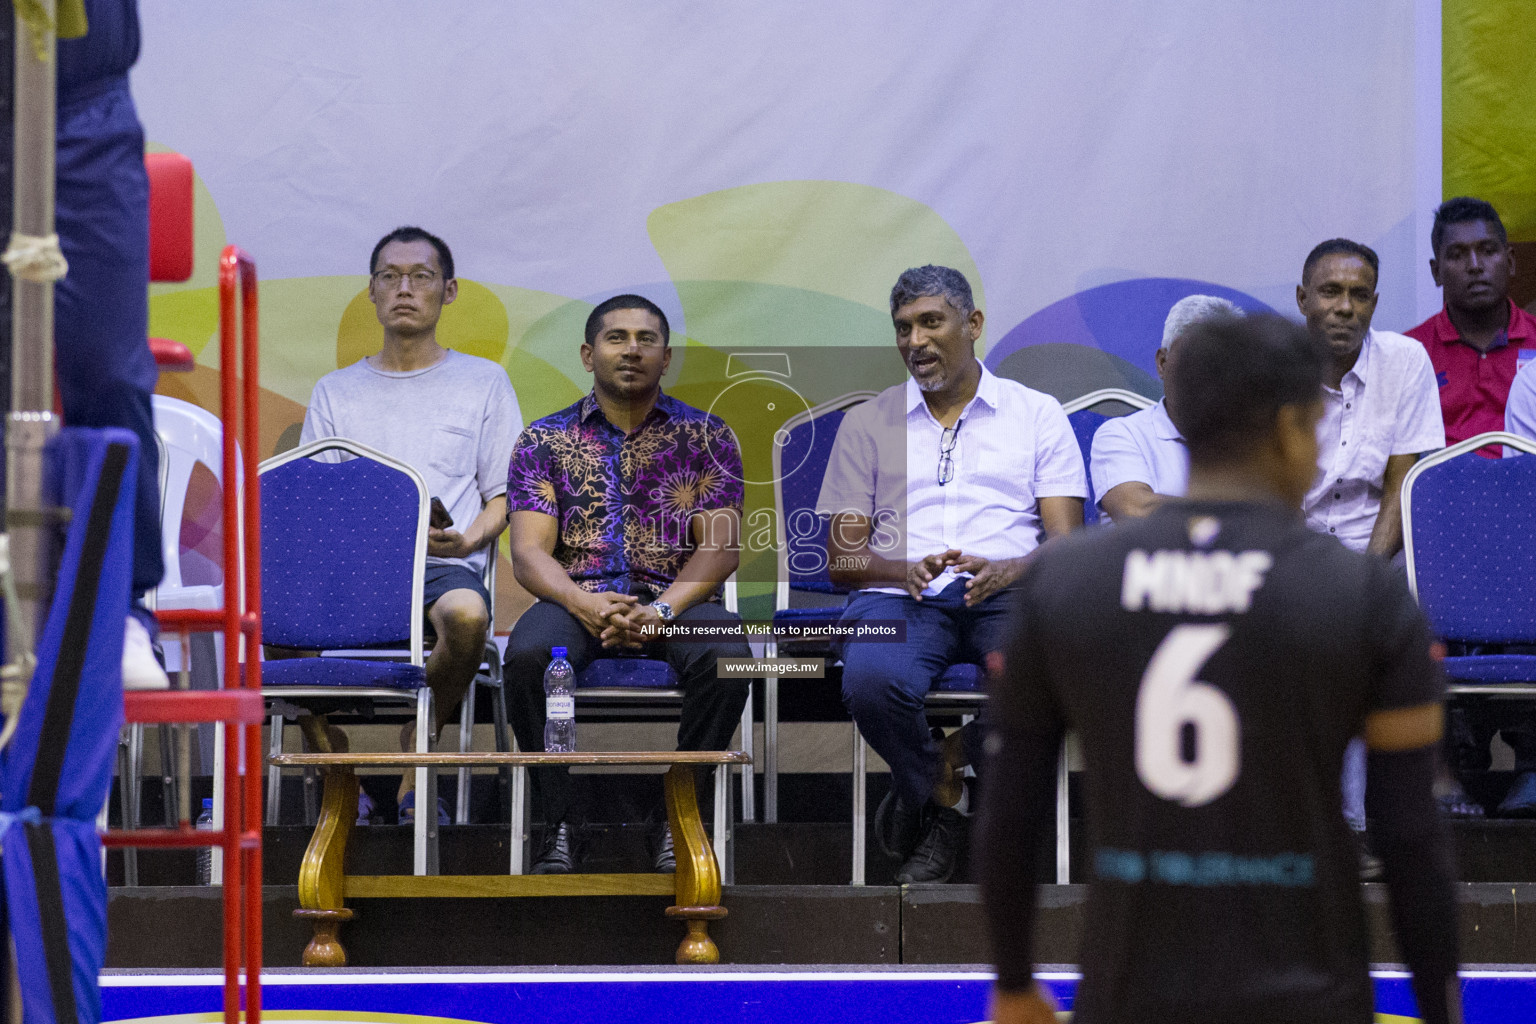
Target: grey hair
(1192, 309)
(920, 282)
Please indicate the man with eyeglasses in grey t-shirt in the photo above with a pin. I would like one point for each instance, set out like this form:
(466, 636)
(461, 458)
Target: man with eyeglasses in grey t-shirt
(454, 418)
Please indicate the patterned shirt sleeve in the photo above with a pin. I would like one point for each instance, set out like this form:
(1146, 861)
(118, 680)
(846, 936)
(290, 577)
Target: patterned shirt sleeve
(722, 486)
(530, 477)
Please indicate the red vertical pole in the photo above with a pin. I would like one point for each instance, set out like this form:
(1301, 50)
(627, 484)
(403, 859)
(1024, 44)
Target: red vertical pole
(251, 777)
(234, 816)
(241, 839)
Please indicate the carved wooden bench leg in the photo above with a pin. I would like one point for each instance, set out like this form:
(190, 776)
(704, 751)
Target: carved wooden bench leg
(321, 875)
(697, 884)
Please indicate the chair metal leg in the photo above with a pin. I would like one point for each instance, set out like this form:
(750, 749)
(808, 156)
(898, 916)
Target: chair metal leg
(466, 743)
(860, 755)
(748, 737)
(216, 876)
(518, 818)
(771, 748)
(136, 774)
(168, 776)
(274, 773)
(424, 858)
(1063, 822)
(723, 846)
(518, 841)
(125, 808)
(504, 773)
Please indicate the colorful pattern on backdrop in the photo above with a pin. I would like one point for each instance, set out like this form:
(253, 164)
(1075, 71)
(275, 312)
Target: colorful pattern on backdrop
(765, 170)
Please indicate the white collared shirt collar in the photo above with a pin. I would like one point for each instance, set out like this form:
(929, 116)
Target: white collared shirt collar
(987, 389)
(1163, 424)
(1361, 370)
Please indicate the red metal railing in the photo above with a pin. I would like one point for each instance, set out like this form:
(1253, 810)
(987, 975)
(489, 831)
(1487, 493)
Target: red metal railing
(238, 706)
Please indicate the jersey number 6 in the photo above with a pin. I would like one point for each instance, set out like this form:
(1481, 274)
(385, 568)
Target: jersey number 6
(1172, 703)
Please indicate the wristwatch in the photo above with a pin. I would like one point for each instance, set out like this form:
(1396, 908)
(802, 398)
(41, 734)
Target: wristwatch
(663, 609)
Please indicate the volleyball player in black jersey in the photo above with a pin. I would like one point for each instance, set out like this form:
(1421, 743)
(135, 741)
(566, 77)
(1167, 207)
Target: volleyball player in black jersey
(1214, 659)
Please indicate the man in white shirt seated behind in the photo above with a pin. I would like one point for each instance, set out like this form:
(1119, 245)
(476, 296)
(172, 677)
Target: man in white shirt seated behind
(1139, 460)
(1381, 411)
(1381, 406)
(938, 489)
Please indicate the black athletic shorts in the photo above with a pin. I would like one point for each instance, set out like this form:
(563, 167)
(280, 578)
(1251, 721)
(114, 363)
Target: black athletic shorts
(440, 579)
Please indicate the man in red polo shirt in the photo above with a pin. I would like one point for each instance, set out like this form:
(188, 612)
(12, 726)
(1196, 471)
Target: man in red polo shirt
(1478, 341)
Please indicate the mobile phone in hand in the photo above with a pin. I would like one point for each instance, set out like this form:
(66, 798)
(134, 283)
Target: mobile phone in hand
(440, 520)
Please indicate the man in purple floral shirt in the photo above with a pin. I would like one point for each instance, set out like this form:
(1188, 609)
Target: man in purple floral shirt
(625, 513)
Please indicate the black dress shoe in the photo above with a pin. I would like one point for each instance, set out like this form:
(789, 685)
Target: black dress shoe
(1520, 802)
(665, 862)
(936, 853)
(559, 854)
(898, 826)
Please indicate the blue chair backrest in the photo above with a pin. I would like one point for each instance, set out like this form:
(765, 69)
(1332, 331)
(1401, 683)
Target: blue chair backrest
(806, 452)
(1086, 423)
(338, 543)
(1474, 547)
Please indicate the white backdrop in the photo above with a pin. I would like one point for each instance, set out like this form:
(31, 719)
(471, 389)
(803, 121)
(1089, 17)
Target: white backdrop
(1066, 145)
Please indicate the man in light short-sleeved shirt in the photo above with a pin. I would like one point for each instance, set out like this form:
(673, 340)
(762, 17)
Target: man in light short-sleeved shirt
(454, 419)
(1381, 408)
(1139, 461)
(1381, 411)
(939, 489)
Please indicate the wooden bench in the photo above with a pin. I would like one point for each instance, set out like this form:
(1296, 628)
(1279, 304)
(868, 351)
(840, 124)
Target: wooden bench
(324, 884)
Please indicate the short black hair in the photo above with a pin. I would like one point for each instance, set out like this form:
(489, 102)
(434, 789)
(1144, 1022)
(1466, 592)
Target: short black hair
(414, 234)
(1463, 210)
(1341, 246)
(1233, 375)
(595, 318)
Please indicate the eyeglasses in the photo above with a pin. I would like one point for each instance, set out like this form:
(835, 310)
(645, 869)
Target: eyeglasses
(389, 280)
(947, 443)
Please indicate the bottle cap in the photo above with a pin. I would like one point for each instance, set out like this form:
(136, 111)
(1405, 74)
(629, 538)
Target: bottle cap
(207, 803)
(557, 652)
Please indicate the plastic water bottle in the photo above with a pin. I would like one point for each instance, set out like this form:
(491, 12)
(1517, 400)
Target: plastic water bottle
(204, 853)
(559, 704)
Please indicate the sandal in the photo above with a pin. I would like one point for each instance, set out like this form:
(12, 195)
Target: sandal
(408, 810)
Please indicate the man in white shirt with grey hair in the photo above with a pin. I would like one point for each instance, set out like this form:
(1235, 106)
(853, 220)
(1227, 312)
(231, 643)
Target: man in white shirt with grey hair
(938, 489)
(1139, 461)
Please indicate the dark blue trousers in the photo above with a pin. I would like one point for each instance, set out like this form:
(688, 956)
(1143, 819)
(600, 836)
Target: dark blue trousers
(101, 308)
(884, 684)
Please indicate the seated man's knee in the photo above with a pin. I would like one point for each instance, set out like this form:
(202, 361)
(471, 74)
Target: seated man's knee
(877, 684)
(527, 654)
(461, 618)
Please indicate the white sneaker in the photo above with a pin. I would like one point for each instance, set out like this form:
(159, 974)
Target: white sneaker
(140, 669)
